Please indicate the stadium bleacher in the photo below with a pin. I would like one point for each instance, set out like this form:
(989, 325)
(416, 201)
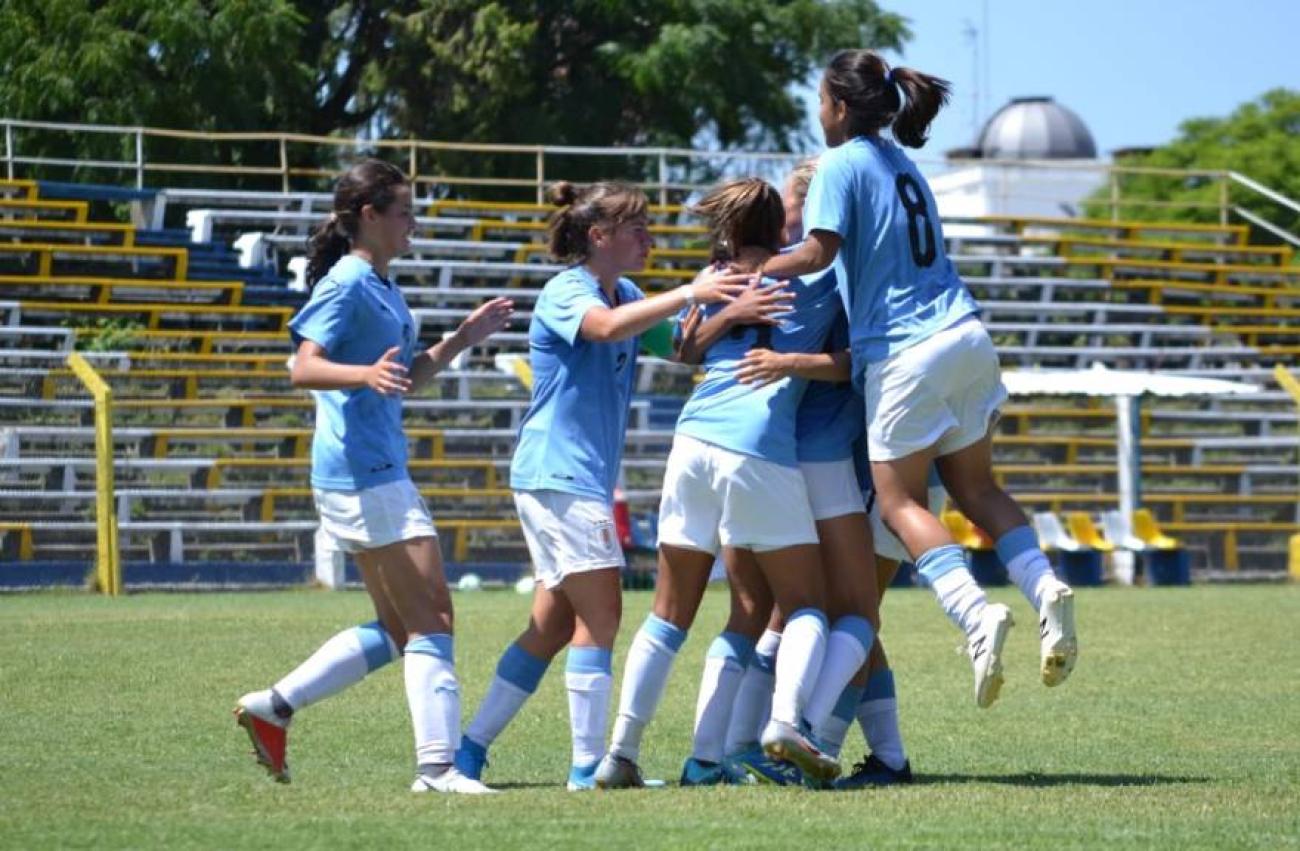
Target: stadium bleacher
(183, 313)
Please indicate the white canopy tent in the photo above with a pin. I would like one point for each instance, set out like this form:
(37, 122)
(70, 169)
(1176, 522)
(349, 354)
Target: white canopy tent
(1127, 387)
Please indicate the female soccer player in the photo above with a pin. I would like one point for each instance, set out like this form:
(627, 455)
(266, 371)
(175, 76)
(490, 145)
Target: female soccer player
(583, 348)
(356, 349)
(732, 479)
(829, 429)
(928, 368)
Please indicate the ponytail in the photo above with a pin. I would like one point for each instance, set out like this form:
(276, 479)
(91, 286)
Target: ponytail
(926, 95)
(372, 182)
(876, 96)
(326, 245)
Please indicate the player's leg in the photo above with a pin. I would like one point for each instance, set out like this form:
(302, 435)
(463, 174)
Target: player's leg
(725, 668)
(689, 515)
(596, 598)
(412, 578)
(683, 578)
(968, 476)
(518, 673)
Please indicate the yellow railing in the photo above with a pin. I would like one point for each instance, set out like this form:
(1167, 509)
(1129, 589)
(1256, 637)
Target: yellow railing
(108, 564)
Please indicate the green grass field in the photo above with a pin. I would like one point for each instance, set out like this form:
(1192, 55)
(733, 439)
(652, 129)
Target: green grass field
(1180, 727)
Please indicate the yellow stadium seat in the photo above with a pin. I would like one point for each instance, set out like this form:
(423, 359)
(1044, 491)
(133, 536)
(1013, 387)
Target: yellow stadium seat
(965, 533)
(1083, 530)
(1146, 528)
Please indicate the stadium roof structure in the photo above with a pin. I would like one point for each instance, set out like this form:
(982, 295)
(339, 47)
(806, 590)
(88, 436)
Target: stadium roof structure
(1101, 380)
(1126, 387)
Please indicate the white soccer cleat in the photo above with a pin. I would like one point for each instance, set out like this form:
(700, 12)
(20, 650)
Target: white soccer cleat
(985, 651)
(782, 741)
(1060, 646)
(451, 782)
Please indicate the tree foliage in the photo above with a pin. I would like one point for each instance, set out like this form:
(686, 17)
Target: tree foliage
(1260, 139)
(580, 72)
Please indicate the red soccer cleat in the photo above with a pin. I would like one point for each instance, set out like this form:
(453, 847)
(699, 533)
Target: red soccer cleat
(268, 733)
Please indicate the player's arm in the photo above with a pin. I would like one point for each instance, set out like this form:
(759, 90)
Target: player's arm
(763, 366)
(754, 306)
(815, 253)
(612, 324)
(313, 370)
(485, 320)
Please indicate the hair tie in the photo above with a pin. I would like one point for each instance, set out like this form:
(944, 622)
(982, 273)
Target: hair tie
(902, 95)
(889, 76)
(334, 217)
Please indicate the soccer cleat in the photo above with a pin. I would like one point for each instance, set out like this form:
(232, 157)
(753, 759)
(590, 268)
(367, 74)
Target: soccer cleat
(1060, 646)
(872, 771)
(471, 758)
(699, 773)
(582, 778)
(763, 769)
(985, 651)
(784, 741)
(267, 731)
(617, 772)
(450, 782)
(734, 775)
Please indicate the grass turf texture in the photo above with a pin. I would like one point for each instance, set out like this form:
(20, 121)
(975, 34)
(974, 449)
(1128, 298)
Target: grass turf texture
(1180, 727)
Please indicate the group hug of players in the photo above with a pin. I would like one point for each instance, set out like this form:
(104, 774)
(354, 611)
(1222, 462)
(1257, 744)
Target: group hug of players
(846, 376)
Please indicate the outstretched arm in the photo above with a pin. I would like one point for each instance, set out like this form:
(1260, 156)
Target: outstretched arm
(484, 321)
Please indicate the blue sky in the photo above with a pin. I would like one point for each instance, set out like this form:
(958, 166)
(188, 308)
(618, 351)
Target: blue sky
(1133, 70)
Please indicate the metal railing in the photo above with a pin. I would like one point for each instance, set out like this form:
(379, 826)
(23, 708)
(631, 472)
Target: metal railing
(108, 561)
(291, 161)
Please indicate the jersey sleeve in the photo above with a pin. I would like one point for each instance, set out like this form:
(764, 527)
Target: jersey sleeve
(327, 315)
(563, 306)
(830, 201)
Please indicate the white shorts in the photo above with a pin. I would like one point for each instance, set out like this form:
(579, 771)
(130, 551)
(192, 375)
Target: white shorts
(942, 392)
(567, 534)
(833, 489)
(714, 498)
(374, 517)
(886, 543)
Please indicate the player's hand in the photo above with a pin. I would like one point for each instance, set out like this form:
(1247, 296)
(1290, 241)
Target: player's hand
(760, 305)
(761, 367)
(718, 284)
(386, 376)
(485, 320)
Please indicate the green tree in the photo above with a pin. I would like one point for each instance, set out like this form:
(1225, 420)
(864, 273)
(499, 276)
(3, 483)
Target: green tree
(581, 72)
(1260, 139)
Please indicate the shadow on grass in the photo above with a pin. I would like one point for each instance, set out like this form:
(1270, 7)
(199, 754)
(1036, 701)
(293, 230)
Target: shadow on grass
(1044, 780)
(504, 786)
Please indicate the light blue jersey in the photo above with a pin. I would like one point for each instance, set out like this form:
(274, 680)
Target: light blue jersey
(832, 415)
(572, 436)
(898, 285)
(760, 421)
(356, 316)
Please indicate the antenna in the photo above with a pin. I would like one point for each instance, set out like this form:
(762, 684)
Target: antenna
(972, 36)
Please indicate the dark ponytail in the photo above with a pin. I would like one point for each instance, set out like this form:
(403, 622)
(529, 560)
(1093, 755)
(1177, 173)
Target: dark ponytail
(568, 237)
(869, 89)
(372, 182)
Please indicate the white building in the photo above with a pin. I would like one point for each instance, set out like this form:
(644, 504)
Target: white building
(1034, 157)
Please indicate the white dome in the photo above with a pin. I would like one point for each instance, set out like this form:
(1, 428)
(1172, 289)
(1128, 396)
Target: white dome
(1035, 128)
